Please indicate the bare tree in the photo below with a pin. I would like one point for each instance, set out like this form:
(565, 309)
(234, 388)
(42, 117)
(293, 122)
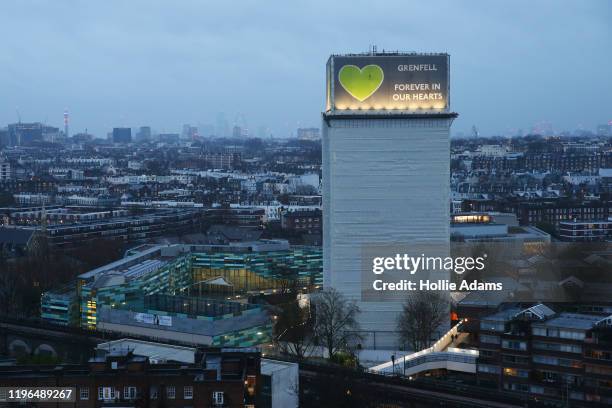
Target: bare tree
(9, 289)
(424, 312)
(23, 280)
(335, 326)
(293, 329)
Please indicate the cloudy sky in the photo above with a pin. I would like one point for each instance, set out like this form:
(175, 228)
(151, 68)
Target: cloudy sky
(166, 63)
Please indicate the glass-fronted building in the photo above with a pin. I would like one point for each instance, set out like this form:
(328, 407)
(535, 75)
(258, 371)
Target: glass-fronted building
(194, 270)
(60, 306)
(189, 320)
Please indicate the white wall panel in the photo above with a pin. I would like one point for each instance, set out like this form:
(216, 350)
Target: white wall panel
(385, 181)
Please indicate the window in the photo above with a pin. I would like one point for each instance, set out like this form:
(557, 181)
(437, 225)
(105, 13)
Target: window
(188, 392)
(566, 348)
(572, 334)
(106, 393)
(544, 332)
(129, 393)
(550, 376)
(595, 383)
(250, 383)
(599, 354)
(492, 326)
(506, 358)
(589, 368)
(566, 362)
(485, 338)
(84, 393)
(561, 378)
(514, 344)
(490, 369)
(153, 392)
(548, 360)
(516, 387)
(537, 389)
(217, 398)
(577, 395)
(170, 392)
(516, 372)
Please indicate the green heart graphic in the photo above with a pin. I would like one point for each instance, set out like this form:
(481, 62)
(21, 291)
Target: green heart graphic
(361, 83)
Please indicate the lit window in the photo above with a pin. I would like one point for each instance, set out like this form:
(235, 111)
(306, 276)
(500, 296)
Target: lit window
(129, 393)
(515, 372)
(250, 383)
(106, 393)
(218, 398)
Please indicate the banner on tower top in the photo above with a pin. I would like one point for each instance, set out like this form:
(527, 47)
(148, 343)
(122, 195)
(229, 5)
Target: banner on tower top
(413, 83)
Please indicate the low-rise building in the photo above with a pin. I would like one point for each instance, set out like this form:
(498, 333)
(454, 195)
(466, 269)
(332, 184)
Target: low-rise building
(32, 198)
(308, 221)
(494, 227)
(240, 216)
(555, 356)
(5, 170)
(66, 233)
(279, 379)
(586, 231)
(202, 270)
(555, 211)
(217, 378)
(187, 320)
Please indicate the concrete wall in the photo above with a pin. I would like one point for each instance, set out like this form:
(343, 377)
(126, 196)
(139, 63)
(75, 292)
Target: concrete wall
(284, 380)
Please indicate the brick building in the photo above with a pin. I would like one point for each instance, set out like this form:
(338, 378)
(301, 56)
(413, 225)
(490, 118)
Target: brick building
(586, 231)
(559, 161)
(309, 221)
(535, 211)
(219, 378)
(553, 212)
(552, 356)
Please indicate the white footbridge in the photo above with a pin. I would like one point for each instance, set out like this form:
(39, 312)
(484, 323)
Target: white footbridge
(439, 356)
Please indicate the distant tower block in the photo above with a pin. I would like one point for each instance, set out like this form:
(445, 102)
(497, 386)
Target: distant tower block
(66, 135)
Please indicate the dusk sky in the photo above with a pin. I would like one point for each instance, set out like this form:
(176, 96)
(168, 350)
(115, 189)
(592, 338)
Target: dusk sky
(167, 63)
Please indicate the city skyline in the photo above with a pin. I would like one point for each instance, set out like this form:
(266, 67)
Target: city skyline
(116, 65)
(306, 204)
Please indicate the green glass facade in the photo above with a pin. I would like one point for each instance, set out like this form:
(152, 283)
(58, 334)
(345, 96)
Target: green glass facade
(244, 270)
(245, 338)
(225, 323)
(170, 278)
(252, 271)
(60, 306)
